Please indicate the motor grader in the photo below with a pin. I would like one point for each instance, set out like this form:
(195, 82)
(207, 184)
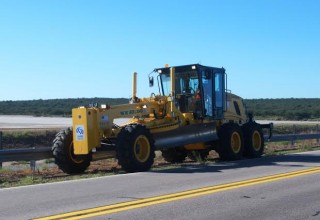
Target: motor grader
(191, 114)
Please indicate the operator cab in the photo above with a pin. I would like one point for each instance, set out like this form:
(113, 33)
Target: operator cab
(197, 89)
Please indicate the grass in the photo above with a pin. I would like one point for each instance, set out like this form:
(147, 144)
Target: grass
(48, 174)
(27, 138)
(17, 133)
(295, 129)
(28, 177)
(45, 173)
(286, 147)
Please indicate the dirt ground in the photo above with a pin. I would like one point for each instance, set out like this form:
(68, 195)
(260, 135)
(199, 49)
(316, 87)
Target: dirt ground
(46, 171)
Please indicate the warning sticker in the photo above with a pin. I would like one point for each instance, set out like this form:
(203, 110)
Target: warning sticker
(104, 119)
(79, 133)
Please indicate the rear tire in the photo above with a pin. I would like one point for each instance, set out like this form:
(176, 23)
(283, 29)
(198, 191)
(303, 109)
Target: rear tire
(253, 140)
(231, 145)
(135, 148)
(62, 150)
(174, 155)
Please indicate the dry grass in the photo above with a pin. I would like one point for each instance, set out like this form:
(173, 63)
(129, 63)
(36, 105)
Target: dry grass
(274, 148)
(20, 173)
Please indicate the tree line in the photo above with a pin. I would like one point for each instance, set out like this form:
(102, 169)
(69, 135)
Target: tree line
(53, 107)
(285, 109)
(277, 109)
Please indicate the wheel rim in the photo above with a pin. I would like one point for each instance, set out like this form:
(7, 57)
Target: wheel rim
(142, 148)
(256, 140)
(72, 156)
(235, 142)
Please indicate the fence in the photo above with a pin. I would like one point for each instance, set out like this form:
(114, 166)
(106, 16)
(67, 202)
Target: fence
(34, 154)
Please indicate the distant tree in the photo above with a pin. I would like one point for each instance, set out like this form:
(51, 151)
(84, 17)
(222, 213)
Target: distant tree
(287, 109)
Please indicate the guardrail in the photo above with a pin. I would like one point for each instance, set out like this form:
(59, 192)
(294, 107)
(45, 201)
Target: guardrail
(294, 137)
(25, 154)
(0, 146)
(40, 153)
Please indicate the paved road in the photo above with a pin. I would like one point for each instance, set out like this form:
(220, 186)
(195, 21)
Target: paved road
(289, 196)
(24, 121)
(289, 122)
(31, 122)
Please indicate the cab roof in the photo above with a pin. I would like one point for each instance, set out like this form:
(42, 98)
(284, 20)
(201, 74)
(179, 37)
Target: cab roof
(188, 68)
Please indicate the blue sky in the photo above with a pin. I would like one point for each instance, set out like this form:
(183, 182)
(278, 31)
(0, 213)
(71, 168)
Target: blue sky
(75, 48)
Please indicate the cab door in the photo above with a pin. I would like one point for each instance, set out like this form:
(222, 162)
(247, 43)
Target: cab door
(207, 91)
(219, 95)
(213, 88)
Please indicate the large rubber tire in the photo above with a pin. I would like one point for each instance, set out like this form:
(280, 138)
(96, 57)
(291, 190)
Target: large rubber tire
(198, 155)
(253, 140)
(135, 148)
(231, 144)
(62, 150)
(174, 155)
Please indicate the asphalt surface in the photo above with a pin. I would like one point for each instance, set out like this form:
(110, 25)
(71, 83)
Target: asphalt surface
(288, 198)
(289, 122)
(25, 121)
(31, 122)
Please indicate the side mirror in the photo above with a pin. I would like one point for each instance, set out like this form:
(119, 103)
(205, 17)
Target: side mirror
(151, 81)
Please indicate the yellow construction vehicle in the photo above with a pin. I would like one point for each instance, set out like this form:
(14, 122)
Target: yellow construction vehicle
(191, 114)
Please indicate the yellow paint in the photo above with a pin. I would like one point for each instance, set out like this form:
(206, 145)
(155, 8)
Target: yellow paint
(236, 142)
(256, 140)
(104, 210)
(141, 148)
(199, 146)
(85, 132)
(98, 122)
(189, 117)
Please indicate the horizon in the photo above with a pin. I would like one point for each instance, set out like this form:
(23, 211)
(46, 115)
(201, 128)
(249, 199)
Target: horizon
(68, 49)
(139, 97)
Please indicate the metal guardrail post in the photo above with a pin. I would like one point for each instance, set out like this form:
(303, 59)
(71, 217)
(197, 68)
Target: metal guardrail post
(293, 136)
(318, 131)
(33, 165)
(33, 162)
(0, 146)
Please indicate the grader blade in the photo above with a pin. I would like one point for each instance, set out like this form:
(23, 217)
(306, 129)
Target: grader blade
(186, 135)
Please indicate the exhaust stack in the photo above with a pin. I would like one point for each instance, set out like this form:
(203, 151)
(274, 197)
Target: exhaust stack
(173, 89)
(134, 86)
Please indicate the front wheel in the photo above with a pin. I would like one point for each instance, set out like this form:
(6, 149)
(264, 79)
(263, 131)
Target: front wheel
(135, 148)
(62, 150)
